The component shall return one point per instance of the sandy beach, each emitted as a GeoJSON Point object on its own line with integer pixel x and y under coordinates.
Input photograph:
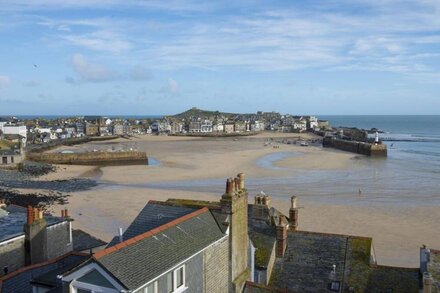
{"type": "Point", "coordinates": [398, 230]}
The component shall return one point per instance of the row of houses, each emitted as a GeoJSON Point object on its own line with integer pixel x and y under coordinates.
{"type": "Point", "coordinates": [229, 245]}
{"type": "Point", "coordinates": [285, 123]}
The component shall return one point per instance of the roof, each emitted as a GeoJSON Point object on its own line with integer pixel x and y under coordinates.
{"type": "Point", "coordinates": [84, 241]}
{"type": "Point", "coordinates": [11, 225]}
{"type": "Point", "coordinates": [161, 248]}
{"type": "Point", "coordinates": [10, 152]}
{"type": "Point", "coordinates": [153, 215]}
{"type": "Point", "coordinates": [262, 233]}
{"type": "Point", "coordinates": [46, 272]}
{"type": "Point", "coordinates": [308, 262]}
{"type": "Point", "coordinates": [251, 287]}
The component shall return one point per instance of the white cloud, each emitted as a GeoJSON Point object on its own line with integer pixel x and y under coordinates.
{"type": "Point", "coordinates": [4, 81]}
{"type": "Point", "coordinates": [99, 41]}
{"type": "Point", "coordinates": [91, 72]}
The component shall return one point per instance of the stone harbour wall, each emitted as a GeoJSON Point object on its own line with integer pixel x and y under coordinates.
{"type": "Point", "coordinates": [91, 158]}
{"type": "Point", "coordinates": [358, 147]}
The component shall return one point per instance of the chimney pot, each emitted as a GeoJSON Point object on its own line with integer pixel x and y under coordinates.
{"type": "Point", "coordinates": [66, 213]}
{"type": "Point", "coordinates": [241, 180]}
{"type": "Point", "coordinates": [229, 186]}
{"type": "Point", "coordinates": [30, 215]}
{"type": "Point", "coordinates": [293, 202]}
{"type": "Point", "coordinates": [36, 213]}
{"type": "Point", "coordinates": [237, 184]}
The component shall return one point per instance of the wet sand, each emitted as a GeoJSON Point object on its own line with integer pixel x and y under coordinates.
{"type": "Point", "coordinates": [398, 230]}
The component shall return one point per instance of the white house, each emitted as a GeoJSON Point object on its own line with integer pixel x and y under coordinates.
{"type": "Point", "coordinates": [20, 130]}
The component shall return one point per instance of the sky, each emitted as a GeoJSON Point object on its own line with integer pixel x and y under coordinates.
{"type": "Point", "coordinates": [114, 57]}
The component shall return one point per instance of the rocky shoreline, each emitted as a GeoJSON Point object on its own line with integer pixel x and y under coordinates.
{"type": "Point", "coordinates": [53, 191]}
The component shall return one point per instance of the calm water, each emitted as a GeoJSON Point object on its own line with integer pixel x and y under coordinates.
{"type": "Point", "coordinates": [409, 176]}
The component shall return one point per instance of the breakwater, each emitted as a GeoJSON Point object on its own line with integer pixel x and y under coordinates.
{"type": "Point", "coordinates": [90, 158]}
{"type": "Point", "coordinates": [358, 147]}
{"type": "Point", "coordinates": [66, 142]}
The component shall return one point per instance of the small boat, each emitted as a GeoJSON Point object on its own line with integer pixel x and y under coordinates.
{"type": "Point", "coordinates": [303, 143]}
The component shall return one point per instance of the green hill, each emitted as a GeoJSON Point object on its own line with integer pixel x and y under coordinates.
{"type": "Point", "coordinates": [194, 112]}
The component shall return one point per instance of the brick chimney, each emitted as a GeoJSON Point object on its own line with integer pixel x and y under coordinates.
{"type": "Point", "coordinates": [234, 203]}
{"type": "Point", "coordinates": [260, 208]}
{"type": "Point", "coordinates": [281, 232]}
{"type": "Point", "coordinates": [35, 236]}
{"type": "Point", "coordinates": [293, 214]}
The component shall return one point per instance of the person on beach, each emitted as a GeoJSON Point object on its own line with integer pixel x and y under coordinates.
{"type": "Point", "coordinates": [360, 192]}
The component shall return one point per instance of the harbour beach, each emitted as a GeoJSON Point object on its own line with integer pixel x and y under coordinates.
{"type": "Point", "coordinates": [326, 182]}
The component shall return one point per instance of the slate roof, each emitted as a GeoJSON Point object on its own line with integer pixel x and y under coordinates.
{"type": "Point", "coordinates": [11, 224]}
{"type": "Point", "coordinates": [153, 215]}
{"type": "Point", "coordinates": [309, 258]}
{"type": "Point", "coordinates": [84, 241]}
{"type": "Point", "coordinates": [308, 262]}
{"type": "Point", "coordinates": [138, 260]}
{"type": "Point", "coordinates": [251, 287]}
{"type": "Point", "coordinates": [263, 236]}
{"type": "Point", "coordinates": [20, 280]}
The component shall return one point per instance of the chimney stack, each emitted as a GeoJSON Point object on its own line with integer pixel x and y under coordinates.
{"type": "Point", "coordinates": [281, 237]}
{"type": "Point", "coordinates": [293, 214]}
{"type": "Point", "coordinates": [35, 236]}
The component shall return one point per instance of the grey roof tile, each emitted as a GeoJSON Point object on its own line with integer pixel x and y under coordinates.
{"type": "Point", "coordinates": [153, 215]}
{"type": "Point", "coordinates": [141, 261]}
{"type": "Point", "coordinates": [11, 224]}
{"type": "Point", "coordinates": [20, 281]}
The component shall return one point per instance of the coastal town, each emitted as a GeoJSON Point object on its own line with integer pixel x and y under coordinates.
{"type": "Point", "coordinates": [18, 135]}
{"type": "Point", "coordinates": [241, 243]}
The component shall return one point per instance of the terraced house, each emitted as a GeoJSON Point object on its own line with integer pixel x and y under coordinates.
{"type": "Point", "coordinates": [225, 246]}
{"type": "Point", "coordinates": [174, 246]}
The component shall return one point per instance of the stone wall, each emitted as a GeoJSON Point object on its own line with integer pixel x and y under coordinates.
{"type": "Point", "coordinates": [363, 148]}
{"type": "Point", "coordinates": [216, 262]}
{"type": "Point", "coordinates": [12, 255]}
{"type": "Point", "coordinates": [58, 240]}
{"type": "Point", "coordinates": [91, 158]}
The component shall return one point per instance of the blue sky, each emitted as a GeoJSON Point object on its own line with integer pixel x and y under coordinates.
{"type": "Point", "coordinates": [162, 57]}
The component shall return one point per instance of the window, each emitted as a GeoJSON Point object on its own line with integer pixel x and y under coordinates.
{"type": "Point", "coordinates": [170, 285]}
{"type": "Point", "coordinates": [152, 288]}
{"type": "Point", "coordinates": [175, 281]}
{"type": "Point", "coordinates": [83, 291]}
{"type": "Point", "coordinates": [334, 286]}
{"type": "Point", "coordinates": [179, 277]}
